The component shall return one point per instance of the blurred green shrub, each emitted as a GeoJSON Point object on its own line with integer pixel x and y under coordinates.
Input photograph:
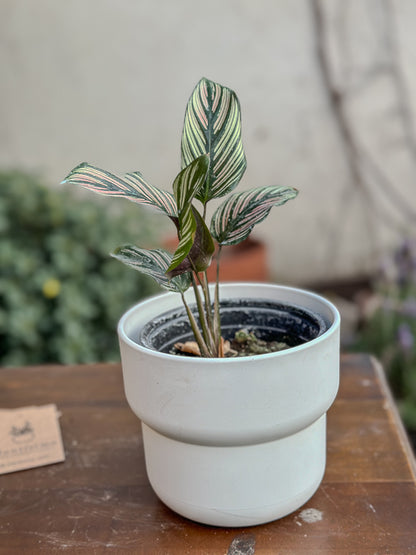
{"type": "Point", "coordinates": [390, 330]}
{"type": "Point", "coordinates": [61, 295]}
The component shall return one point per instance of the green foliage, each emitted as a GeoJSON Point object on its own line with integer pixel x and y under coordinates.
{"type": "Point", "coordinates": [212, 126]}
{"type": "Point", "coordinates": [390, 331]}
{"type": "Point", "coordinates": [132, 186]}
{"type": "Point", "coordinates": [213, 162]}
{"type": "Point", "coordinates": [185, 187]}
{"type": "Point", "coordinates": [61, 295]}
{"type": "Point", "coordinates": [233, 221]}
{"type": "Point", "coordinates": [154, 263]}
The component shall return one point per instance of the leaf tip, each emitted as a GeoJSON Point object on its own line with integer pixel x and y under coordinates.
{"type": "Point", "coordinates": [68, 177]}
{"type": "Point", "coordinates": [115, 252]}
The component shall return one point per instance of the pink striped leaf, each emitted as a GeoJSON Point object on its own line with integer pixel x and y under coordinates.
{"type": "Point", "coordinates": [185, 187]}
{"type": "Point", "coordinates": [153, 263]}
{"type": "Point", "coordinates": [132, 186]}
{"type": "Point", "coordinates": [233, 221]}
{"type": "Point", "coordinates": [213, 125]}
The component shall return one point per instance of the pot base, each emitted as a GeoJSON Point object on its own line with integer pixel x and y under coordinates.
{"type": "Point", "coordinates": [237, 486]}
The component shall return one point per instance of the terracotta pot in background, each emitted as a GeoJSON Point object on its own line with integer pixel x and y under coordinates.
{"type": "Point", "coordinates": [246, 261]}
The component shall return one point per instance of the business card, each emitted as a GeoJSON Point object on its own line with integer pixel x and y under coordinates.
{"type": "Point", "coordinates": [30, 437]}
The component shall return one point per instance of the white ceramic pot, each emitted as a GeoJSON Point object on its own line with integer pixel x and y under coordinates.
{"type": "Point", "coordinates": [236, 441]}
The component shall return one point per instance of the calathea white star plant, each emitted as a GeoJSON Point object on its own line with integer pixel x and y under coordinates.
{"type": "Point", "coordinates": [213, 163]}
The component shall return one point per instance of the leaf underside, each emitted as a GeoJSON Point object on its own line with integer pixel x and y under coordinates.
{"type": "Point", "coordinates": [202, 250]}
{"type": "Point", "coordinates": [213, 125]}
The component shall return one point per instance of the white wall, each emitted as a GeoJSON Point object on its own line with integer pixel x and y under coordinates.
{"type": "Point", "coordinates": [107, 81]}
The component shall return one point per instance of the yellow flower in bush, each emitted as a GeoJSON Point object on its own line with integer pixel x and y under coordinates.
{"type": "Point", "coordinates": [51, 288]}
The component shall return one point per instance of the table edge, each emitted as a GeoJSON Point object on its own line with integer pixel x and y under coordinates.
{"type": "Point", "coordinates": [394, 412]}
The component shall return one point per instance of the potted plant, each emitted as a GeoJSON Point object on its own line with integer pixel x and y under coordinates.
{"type": "Point", "coordinates": [229, 440]}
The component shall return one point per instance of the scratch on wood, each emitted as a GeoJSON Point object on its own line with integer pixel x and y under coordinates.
{"type": "Point", "coordinates": [243, 544]}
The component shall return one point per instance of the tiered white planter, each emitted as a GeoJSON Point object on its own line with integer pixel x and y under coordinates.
{"type": "Point", "coordinates": [236, 441]}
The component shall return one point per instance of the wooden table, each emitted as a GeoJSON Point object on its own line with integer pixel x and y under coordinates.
{"type": "Point", "coordinates": [99, 498]}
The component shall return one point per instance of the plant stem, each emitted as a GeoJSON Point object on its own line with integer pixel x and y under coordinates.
{"type": "Point", "coordinates": [209, 341]}
{"type": "Point", "coordinates": [208, 309]}
{"type": "Point", "coordinates": [199, 339]}
{"type": "Point", "coordinates": [217, 319]}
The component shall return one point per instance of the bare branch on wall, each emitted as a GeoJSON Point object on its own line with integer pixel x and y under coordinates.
{"type": "Point", "coordinates": [349, 81]}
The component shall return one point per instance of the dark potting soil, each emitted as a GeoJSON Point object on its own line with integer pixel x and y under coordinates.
{"type": "Point", "coordinates": [268, 326]}
{"type": "Point", "coordinates": [245, 343]}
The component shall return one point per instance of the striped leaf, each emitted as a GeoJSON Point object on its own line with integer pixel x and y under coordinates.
{"type": "Point", "coordinates": [233, 221]}
{"type": "Point", "coordinates": [200, 255]}
{"type": "Point", "coordinates": [186, 185]}
{"type": "Point", "coordinates": [153, 263]}
{"type": "Point", "coordinates": [213, 125]}
{"type": "Point", "coordinates": [132, 186]}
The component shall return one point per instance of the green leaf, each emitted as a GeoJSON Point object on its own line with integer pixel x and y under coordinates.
{"type": "Point", "coordinates": [200, 255]}
{"type": "Point", "coordinates": [203, 247]}
{"type": "Point", "coordinates": [132, 186]}
{"type": "Point", "coordinates": [186, 185]}
{"type": "Point", "coordinates": [233, 221]}
{"type": "Point", "coordinates": [189, 181]}
{"type": "Point", "coordinates": [213, 125]}
{"type": "Point", "coordinates": [153, 263]}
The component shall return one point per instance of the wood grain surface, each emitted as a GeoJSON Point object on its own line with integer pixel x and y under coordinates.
{"type": "Point", "coordinates": [99, 499]}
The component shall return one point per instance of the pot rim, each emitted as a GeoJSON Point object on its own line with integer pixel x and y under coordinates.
{"type": "Point", "coordinates": [192, 361]}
